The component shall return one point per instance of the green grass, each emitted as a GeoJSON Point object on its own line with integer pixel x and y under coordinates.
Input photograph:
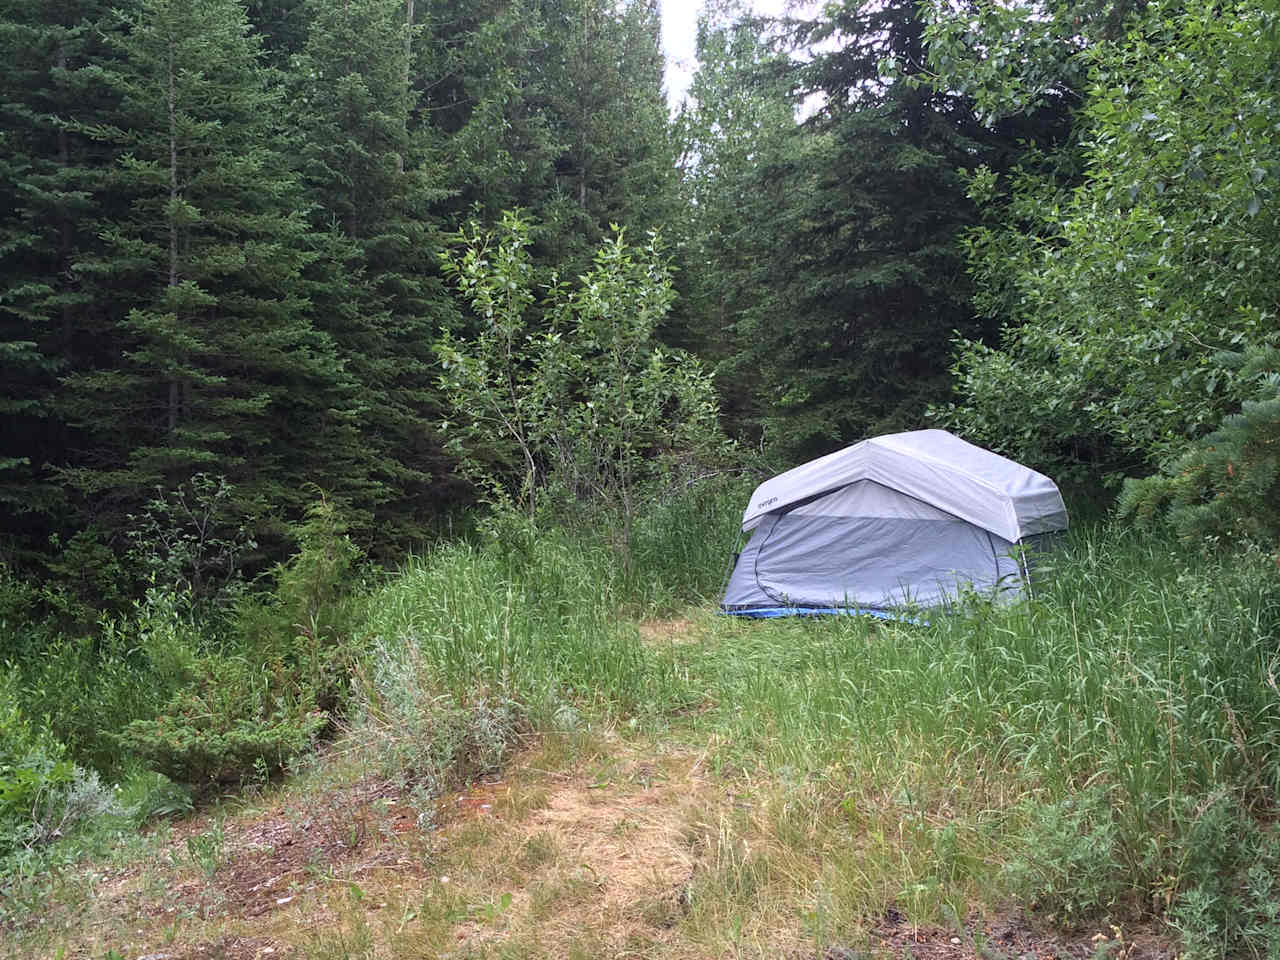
{"type": "Point", "coordinates": [1109, 750]}
{"type": "Point", "coordinates": [1096, 741]}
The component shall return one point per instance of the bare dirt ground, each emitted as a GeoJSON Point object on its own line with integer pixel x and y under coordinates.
{"type": "Point", "coordinates": [592, 849]}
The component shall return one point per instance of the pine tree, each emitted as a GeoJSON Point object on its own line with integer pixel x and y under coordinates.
{"type": "Point", "coordinates": [362, 157]}
{"type": "Point", "coordinates": [481, 69]}
{"type": "Point", "coordinates": [50, 215]}
{"type": "Point", "coordinates": [554, 107]}
{"type": "Point", "coordinates": [219, 367]}
{"type": "Point", "coordinates": [739, 116]}
{"type": "Point", "coordinates": [1225, 485]}
{"type": "Point", "coordinates": [862, 278]}
{"type": "Point", "coordinates": [605, 104]}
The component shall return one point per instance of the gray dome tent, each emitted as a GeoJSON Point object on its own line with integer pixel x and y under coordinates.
{"type": "Point", "coordinates": [908, 519]}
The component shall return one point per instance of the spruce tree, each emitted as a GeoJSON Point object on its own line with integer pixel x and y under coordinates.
{"type": "Point", "coordinates": [606, 106]}
{"type": "Point", "coordinates": [218, 366]}
{"type": "Point", "coordinates": [862, 276]}
{"type": "Point", "coordinates": [361, 153]}
{"type": "Point", "coordinates": [50, 320]}
{"type": "Point", "coordinates": [554, 107]}
{"type": "Point", "coordinates": [738, 117]}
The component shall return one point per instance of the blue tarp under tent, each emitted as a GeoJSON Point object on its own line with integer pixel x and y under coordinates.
{"type": "Point", "coordinates": [891, 525]}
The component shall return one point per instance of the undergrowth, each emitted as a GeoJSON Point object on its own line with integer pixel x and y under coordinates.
{"type": "Point", "coordinates": [1108, 751]}
{"type": "Point", "coordinates": [1124, 729]}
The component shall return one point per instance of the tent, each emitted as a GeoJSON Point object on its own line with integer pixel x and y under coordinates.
{"type": "Point", "coordinates": [904, 520]}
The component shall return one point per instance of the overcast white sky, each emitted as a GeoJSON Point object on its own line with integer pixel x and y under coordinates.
{"type": "Point", "coordinates": [679, 37]}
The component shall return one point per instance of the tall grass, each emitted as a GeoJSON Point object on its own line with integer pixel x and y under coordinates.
{"type": "Point", "coordinates": [550, 618]}
{"type": "Point", "coordinates": [1110, 746]}
{"type": "Point", "coordinates": [1131, 668]}
{"type": "Point", "coordinates": [1132, 706]}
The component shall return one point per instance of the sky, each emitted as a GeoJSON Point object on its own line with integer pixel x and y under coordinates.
{"type": "Point", "coordinates": [679, 37]}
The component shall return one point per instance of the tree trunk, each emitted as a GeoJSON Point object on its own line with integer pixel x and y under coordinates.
{"type": "Point", "coordinates": [408, 70]}
{"type": "Point", "coordinates": [65, 227]}
{"type": "Point", "coordinates": [174, 392]}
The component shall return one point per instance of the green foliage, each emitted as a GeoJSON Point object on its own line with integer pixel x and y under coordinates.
{"type": "Point", "coordinates": [304, 631]}
{"type": "Point", "coordinates": [555, 108]}
{"type": "Point", "coordinates": [87, 687]}
{"type": "Point", "coordinates": [216, 362]}
{"type": "Point", "coordinates": [50, 217]}
{"type": "Point", "coordinates": [33, 767]}
{"type": "Point", "coordinates": [431, 740]}
{"type": "Point", "coordinates": [206, 849]}
{"type": "Point", "coordinates": [219, 226]}
{"type": "Point", "coordinates": [1069, 868]}
{"type": "Point", "coordinates": [156, 797]}
{"type": "Point", "coordinates": [225, 723]}
{"type": "Point", "coordinates": [44, 796]}
{"type": "Point", "coordinates": [235, 713]}
{"type": "Point", "coordinates": [1219, 891]}
{"type": "Point", "coordinates": [20, 627]}
{"type": "Point", "coordinates": [1226, 485]}
{"type": "Point", "coordinates": [840, 271]}
{"type": "Point", "coordinates": [362, 153]}
{"type": "Point", "coordinates": [593, 406]}
{"type": "Point", "coordinates": [1129, 297]}
{"type": "Point", "coordinates": [187, 542]}
{"type": "Point", "coordinates": [492, 380]}
{"type": "Point", "coordinates": [1028, 57]}
{"type": "Point", "coordinates": [738, 116]}
{"type": "Point", "coordinates": [209, 696]}
{"type": "Point", "coordinates": [1229, 863]}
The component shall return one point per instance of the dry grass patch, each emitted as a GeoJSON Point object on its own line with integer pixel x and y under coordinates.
{"type": "Point", "coordinates": [599, 862]}
{"type": "Point", "coordinates": [590, 845]}
{"type": "Point", "coordinates": [236, 883]}
{"type": "Point", "coordinates": [672, 631]}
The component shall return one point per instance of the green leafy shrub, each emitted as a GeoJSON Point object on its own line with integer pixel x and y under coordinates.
{"type": "Point", "coordinates": [43, 795]}
{"type": "Point", "coordinates": [304, 630]}
{"type": "Point", "coordinates": [588, 412]}
{"type": "Point", "coordinates": [1228, 901]}
{"type": "Point", "coordinates": [33, 767]}
{"type": "Point", "coordinates": [86, 577]}
{"type": "Point", "coordinates": [223, 727]}
{"type": "Point", "coordinates": [152, 796]}
{"type": "Point", "coordinates": [246, 707]}
{"type": "Point", "coordinates": [429, 738]}
{"type": "Point", "coordinates": [1068, 866]}
{"type": "Point", "coordinates": [1226, 485]}
{"type": "Point", "coordinates": [90, 687]}
{"type": "Point", "coordinates": [21, 632]}
{"type": "Point", "coordinates": [193, 538]}
{"type": "Point", "coordinates": [1121, 294]}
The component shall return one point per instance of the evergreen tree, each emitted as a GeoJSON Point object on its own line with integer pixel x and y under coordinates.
{"type": "Point", "coordinates": [862, 278]}
{"type": "Point", "coordinates": [1224, 486]}
{"type": "Point", "coordinates": [50, 320]}
{"type": "Point", "coordinates": [282, 26]}
{"type": "Point", "coordinates": [554, 107]}
{"type": "Point", "coordinates": [738, 117]}
{"type": "Point", "coordinates": [219, 368]}
{"type": "Point", "coordinates": [481, 70]}
{"type": "Point", "coordinates": [606, 105]}
{"type": "Point", "coordinates": [362, 158]}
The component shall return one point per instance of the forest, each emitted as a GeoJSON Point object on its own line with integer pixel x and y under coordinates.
{"type": "Point", "coordinates": [381, 367]}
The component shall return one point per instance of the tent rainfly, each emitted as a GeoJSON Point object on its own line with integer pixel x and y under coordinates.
{"type": "Point", "coordinates": [904, 520]}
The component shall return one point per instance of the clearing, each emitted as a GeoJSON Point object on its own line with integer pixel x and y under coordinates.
{"type": "Point", "coordinates": [598, 841]}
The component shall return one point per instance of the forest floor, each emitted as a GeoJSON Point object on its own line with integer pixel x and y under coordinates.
{"type": "Point", "coordinates": [601, 842]}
